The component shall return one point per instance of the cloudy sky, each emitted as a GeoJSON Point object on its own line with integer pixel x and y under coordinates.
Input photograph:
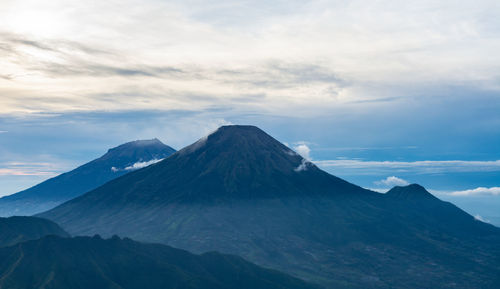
{"type": "Point", "coordinates": [381, 93]}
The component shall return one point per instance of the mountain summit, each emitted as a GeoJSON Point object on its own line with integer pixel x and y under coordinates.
{"type": "Point", "coordinates": [240, 191]}
{"type": "Point", "coordinates": [410, 192]}
{"type": "Point", "coordinates": [116, 162]}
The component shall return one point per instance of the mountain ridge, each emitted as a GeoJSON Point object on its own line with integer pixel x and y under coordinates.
{"type": "Point", "coordinates": [19, 229]}
{"type": "Point", "coordinates": [92, 262]}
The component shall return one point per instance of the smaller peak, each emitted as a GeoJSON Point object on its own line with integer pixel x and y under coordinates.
{"type": "Point", "coordinates": [410, 192]}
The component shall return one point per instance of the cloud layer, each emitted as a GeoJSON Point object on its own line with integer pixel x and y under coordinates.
{"type": "Point", "coordinates": [278, 57]}
{"type": "Point", "coordinates": [419, 167]}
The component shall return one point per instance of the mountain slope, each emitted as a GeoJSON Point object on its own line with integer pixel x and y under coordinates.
{"type": "Point", "coordinates": [240, 191]}
{"type": "Point", "coordinates": [116, 162]}
{"type": "Point", "coordinates": [85, 262]}
{"type": "Point", "coordinates": [19, 229]}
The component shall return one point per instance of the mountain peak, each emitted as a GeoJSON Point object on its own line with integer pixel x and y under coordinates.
{"type": "Point", "coordinates": [238, 128]}
{"type": "Point", "coordinates": [135, 149]}
{"type": "Point", "coordinates": [137, 144]}
{"type": "Point", "coordinates": [233, 136]}
{"type": "Point", "coordinates": [410, 192]}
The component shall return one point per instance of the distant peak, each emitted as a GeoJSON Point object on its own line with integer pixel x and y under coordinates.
{"type": "Point", "coordinates": [144, 142]}
{"type": "Point", "coordinates": [410, 192]}
{"type": "Point", "coordinates": [138, 144]}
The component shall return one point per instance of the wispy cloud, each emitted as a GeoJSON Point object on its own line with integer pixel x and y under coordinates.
{"type": "Point", "coordinates": [27, 169]}
{"type": "Point", "coordinates": [304, 165]}
{"type": "Point", "coordinates": [479, 218]}
{"type": "Point", "coordinates": [136, 166]}
{"type": "Point", "coordinates": [421, 167]}
{"type": "Point", "coordinates": [140, 165]}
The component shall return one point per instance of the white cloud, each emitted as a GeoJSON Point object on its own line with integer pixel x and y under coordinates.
{"type": "Point", "coordinates": [3, 131]}
{"type": "Point", "coordinates": [421, 167]}
{"type": "Point", "coordinates": [479, 218]}
{"type": "Point", "coordinates": [303, 165]}
{"type": "Point", "coordinates": [493, 191]}
{"type": "Point", "coordinates": [140, 165]}
{"type": "Point", "coordinates": [302, 149]}
{"type": "Point", "coordinates": [392, 181]}
{"type": "Point", "coordinates": [227, 54]}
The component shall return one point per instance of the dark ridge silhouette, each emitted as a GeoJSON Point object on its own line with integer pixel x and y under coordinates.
{"type": "Point", "coordinates": [411, 192]}
{"type": "Point", "coordinates": [116, 162]}
{"type": "Point", "coordinates": [85, 262]}
{"type": "Point", "coordinates": [240, 191]}
{"type": "Point", "coordinates": [19, 229]}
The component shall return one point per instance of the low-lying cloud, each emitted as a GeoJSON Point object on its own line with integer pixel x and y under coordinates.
{"type": "Point", "coordinates": [479, 218]}
{"type": "Point", "coordinates": [136, 166]}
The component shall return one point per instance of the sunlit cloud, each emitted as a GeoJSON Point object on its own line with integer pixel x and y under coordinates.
{"type": "Point", "coordinates": [291, 58]}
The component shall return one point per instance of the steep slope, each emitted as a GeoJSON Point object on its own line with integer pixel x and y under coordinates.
{"type": "Point", "coordinates": [19, 229]}
{"type": "Point", "coordinates": [85, 262]}
{"type": "Point", "coordinates": [116, 162]}
{"type": "Point", "coordinates": [240, 191]}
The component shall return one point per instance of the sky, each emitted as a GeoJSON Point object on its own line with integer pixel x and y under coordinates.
{"type": "Point", "coordinates": [381, 93]}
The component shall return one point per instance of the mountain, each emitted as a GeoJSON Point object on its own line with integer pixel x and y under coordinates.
{"type": "Point", "coordinates": [91, 262]}
{"type": "Point", "coordinates": [19, 229]}
{"type": "Point", "coordinates": [116, 162]}
{"type": "Point", "coordinates": [240, 191]}
{"type": "Point", "coordinates": [413, 192]}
